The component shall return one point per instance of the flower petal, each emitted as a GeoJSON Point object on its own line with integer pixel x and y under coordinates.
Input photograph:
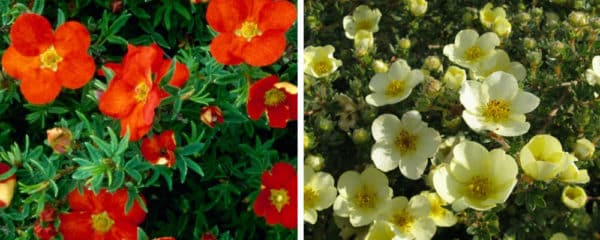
{"type": "Point", "coordinates": [278, 116]}
{"type": "Point", "coordinates": [277, 15]}
{"type": "Point", "coordinates": [117, 101]}
{"type": "Point", "coordinates": [72, 37]}
{"type": "Point", "coordinates": [16, 64]}
{"type": "Point", "coordinates": [384, 156]}
{"type": "Point", "coordinates": [40, 86]}
{"type": "Point", "coordinates": [31, 34]}
{"type": "Point", "coordinates": [264, 49]}
{"type": "Point", "coordinates": [524, 102]}
{"type": "Point", "coordinates": [223, 46]}
{"type": "Point", "coordinates": [385, 127]}
{"type": "Point", "coordinates": [501, 86]}
{"type": "Point", "coordinates": [76, 70]}
{"type": "Point", "coordinates": [75, 225]}
{"type": "Point", "coordinates": [225, 15]}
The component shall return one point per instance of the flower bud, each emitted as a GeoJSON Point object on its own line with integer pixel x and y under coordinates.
{"type": "Point", "coordinates": [7, 186]}
{"type": "Point", "coordinates": [404, 43]}
{"type": "Point", "coordinates": [523, 18]}
{"type": "Point", "coordinates": [164, 238]}
{"type": "Point", "coordinates": [432, 87]}
{"type": "Point", "coordinates": [433, 63]}
{"type": "Point", "coordinates": [363, 42]}
{"type": "Point", "coordinates": [380, 66]}
{"type": "Point", "coordinates": [315, 161]}
{"type": "Point", "coordinates": [584, 149]}
{"type": "Point", "coordinates": [574, 197]}
{"type": "Point", "coordinates": [502, 27]}
{"type": "Point", "coordinates": [534, 58]}
{"type": "Point", "coordinates": [208, 236]}
{"type": "Point", "coordinates": [558, 236]}
{"type": "Point", "coordinates": [418, 7]}
{"type": "Point", "coordinates": [60, 139]}
{"type": "Point", "coordinates": [325, 124]}
{"type": "Point", "coordinates": [44, 230]}
{"type": "Point", "coordinates": [211, 115]}
{"type": "Point", "coordinates": [454, 77]}
{"type": "Point", "coordinates": [578, 19]}
{"type": "Point", "coordinates": [529, 43]}
{"type": "Point", "coordinates": [309, 141]}
{"type": "Point", "coordinates": [360, 136]}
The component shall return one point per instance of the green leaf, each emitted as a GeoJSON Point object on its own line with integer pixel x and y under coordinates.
{"type": "Point", "coordinates": [38, 6]}
{"type": "Point", "coordinates": [191, 149]}
{"type": "Point", "coordinates": [60, 17]}
{"type": "Point", "coordinates": [194, 166]}
{"type": "Point", "coordinates": [182, 11]}
{"type": "Point", "coordinates": [114, 39]}
{"type": "Point", "coordinates": [118, 24]}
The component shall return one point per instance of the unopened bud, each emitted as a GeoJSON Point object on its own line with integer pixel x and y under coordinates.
{"type": "Point", "coordinates": [7, 186]}
{"type": "Point", "coordinates": [211, 115]}
{"type": "Point", "coordinates": [380, 66]}
{"type": "Point", "coordinates": [315, 161]}
{"type": "Point", "coordinates": [578, 19]}
{"type": "Point", "coordinates": [60, 139]}
{"type": "Point", "coordinates": [584, 149]}
{"type": "Point", "coordinates": [360, 136]}
{"type": "Point", "coordinates": [404, 43]}
{"type": "Point", "coordinates": [574, 197]}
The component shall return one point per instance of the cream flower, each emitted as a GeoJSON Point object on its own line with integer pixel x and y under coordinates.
{"type": "Point", "coordinates": [362, 196]}
{"type": "Point", "coordinates": [409, 219]}
{"type": "Point", "coordinates": [469, 48]}
{"type": "Point", "coordinates": [319, 61]}
{"type": "Point", "coordinates": [475, 177]}
{"type": "Point", "coordinates": [497, 105]}
{"type": "Point", "coordinates": [584, 149]}
{"type": "Point", "coordinates": [592, 76]}
{"type": "Point", "coordinates": [363, 41]}
{"type": "Point", "coordinates": [444, 153]}
{"type": "Point", "coordinates": [558, 236]}
{"type": "Point", "coordinates": [488, 16]}
{"type": "Point", "coordinates": [574, 197]}
{"type": "Point", "coordinates": [363, 18]}
{"type": "Point", "coordinates": [542, 158]}
{"type": "Point", "coordinates": [441, 216]}
{"type": "Point", "coordinates": [393, 86]}
{"type": "Point", "coordinates": [499, 61]}
{"type": "Point", "coordinates": [380, 230]}
{"type": "Point", "coordinates": [571, 174]}
{"type": "Point", "coordinates": [502, 27]}
{"type": "Point", "coordinates": [418, 7]}
{"type": "Point", "coordinates": [454, 77]}
{"type": "Point", "coordinates": [319, 193]}
{"type": "Point", "coordinates": [406, 143]}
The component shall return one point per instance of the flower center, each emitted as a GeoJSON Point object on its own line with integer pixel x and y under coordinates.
{"type": "Point", "coordinates": [50, 59]}
{"type": "Point", "coordinates": [310, 197]}
{"type": "Point", "coordinates": [395, 88]}
{"type": "Point", "coordinates": [102, 222]}
{"type": "Point", "coordinates": [274, 97]}
{"type": "Point", "coordinates": [496, 111]}
{"type": "Point", "coordinates": [141, 92]}
{"type": "Point", "coordinates": [365, 198]}
{"type": "Point", "coordinates": [363, 25]}
{"type": "Point", "coordinates": [406, 142]}
{"type": "Point", "coordinates": [478, 188]}
{"type": "Point", "coordinates": [322, 67]}
{"type": "Point", "coordinates": [248, 30]}
{"type": "Point", "coordinates": [403, 220]}
{"type": "Point", "coordinates": [279, 198]}
{"type": "Point", "coordinates": [473, 53]}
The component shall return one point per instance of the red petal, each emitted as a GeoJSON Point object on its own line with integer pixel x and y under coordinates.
{"type": "Point", "coordinates": [117, 101]}
{"type": "Point", "coordinates": [277, 15]}
{"type": "Point", "coordinates": [115, 206]}
{"type": "Point", "coordinates": [289, 214]}
{"type": "Point", "coordinates": [141, 118]}
{"type": "Point", "coordinates": [265, 49]}
{"type": "Point", "coordinates": [76, 70]}
{"type": "Point", "coordinates": [225, 15]}
{"type": "Point", "coordinates": [167, 140]}
{"type": "Point", "coordinates": [280, 176]}
{"type": "Point", "coordinates": [150, 149]}
{"type": "Point", "coordinates": [75, 225]}
{"type": "Point", "coordinates": [85, 201]}
{"type": "Point", "coordinates": [40, 86]}
{"type": "Point", "coordinates": [143, 58]}
{"type": "Point", "coordinates": [292, 103]}
{"type": "Point", "coordinates": [122, 231]}
{"type": "Point", "coordinates": [180, 75]}
{"type": "Point", "coordinates": [278, 116]}
{"type": "Point", "coordinates": [224, 48]}
{"type": "Point", "coordinates": [72, 37]}
{"type": "Point", "coordinates": [31, 34]}
{"type": "Point", "coordinates": [256, 96]}
{"type": "Point", "coordinates": [262, 203]}
{"type": "Point", "coordinates": [15, 64]}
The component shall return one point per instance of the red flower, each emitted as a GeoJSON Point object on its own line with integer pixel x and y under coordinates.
{"type": "Point", "coordinates": [164, 238]}
{"type": "Point", "coordinates": [134, 93]}
{"type": "Point", "coordinates": [7, 186]}
{"type": "Point", "coordinates": [251, 31]}
{"type": "Point", "coordinates": [159, 150]}
{"type": "Point", "coordinates": [45, 61]}
{"type": "Point", "coordinates": [277, 198]}
{"type": "Point", "coordinates": [208, 236]}
{"type": "Point", "coordinates": [44, 230]}
{"type": "Point", "coordinates": [211, 115]}
{"type": "Point", "coordinates": [100, 217]}
{"type": "Point", "coordinates": [278, 99]}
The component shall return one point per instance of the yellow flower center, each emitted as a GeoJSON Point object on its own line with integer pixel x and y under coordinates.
{"type": "Point", "coordinates": [496, 111]}
{"type": "Point", "coordinates": [406, 142]}
{"type": "Point", "coordinates": [365, 198]}
{"type": "Point", "coordinates": [395, 88]}
{"type": "Point", "coordinates": [364, 25]}
{"type": "Point", "coordinates": [279, 198]}
{"type": "Point", "coordinates": [102, 222]}
{"type": "Point", "coordinates": [248, 30]}
{"type": "Point", "coordinates": [310, 197]}
{"type": "Point", "coordinates": [141, 92]}
{"type": "Point", "coordinates": [274, 97]}
{"type": "Point", "coordinates": [402, 220]}
{"type": "Point", "coordinates": [479, 187]}
{"type": "Point", "coordinates": [50, 59]}
{"type": "Point", "coordinates": [473, 53]}
{"type": "Point", "coordinates": [322, 67]}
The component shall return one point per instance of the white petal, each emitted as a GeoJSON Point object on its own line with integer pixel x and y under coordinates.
{"type": "Point", "coordinates": [379, 82]}
{"type": "Point", "coordinates": [446, 186]}
{"type": "Point", "coordinates": [518, 70]}
{"type": "Point", "coordinates": [374, 179]}
{"type": "Point", "coordinates": [348, 183]}
{"type": "Point", "coordinates": [384, 156]}
{"type": "Point", "coordinates": [467, 37]}
{"type": "Point", "coordinates": [469, 155]}
{"type": "Point", "coordinates": [415, 77]}
{"type": "Point", "coordinates": [424, 229]}
{"type": "Point", "coordinates": [377, 99]}
{"type": "Point", "coordinates": [524, 102]}
{"type": "Point", "coordinates": [326, 198]}
{"type": "Point", "coordinates": [471, 95]}
{"type": "Point", "coordinates": [399, 70]}
{"type": "Point", "coordinates": [349, 27]}
{"type": "Point", "coordinates": [429, 141]}
{"type": "Point", "coordinates": [385, 127]}
{"type": "Point", "coordinates": [341, 207]}
{"type": "Point", "coordinates": [310, 216]}
{"type": "Point", "coordinates": [473, 121]}
{"type": "Point", "coordinates": [359, 220]}
{"type": "Point", "coordinates": [413, 167]}
{"type": "Point", "coordinates": [504, 168]}
{"type": "Point", "coordinates": [501, 86]}
{"type": "Point", "coordinates": [419, 206]}
{"type": "Point", "coordinates": [488, 41]}
{"type": "Point", "coordinates": [512, 128]}
{"type": "Point", "coordinates": [596, 64]}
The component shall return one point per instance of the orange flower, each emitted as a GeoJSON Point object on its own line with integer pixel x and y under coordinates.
{"type": "Point", "coordinates": [7, 186]}
{"type": "Point", "coordinates": [43, 228]}
{"type": "Point", "coordinates": [211, 115]}
{"type": "Point", "coordinates": [134, 92]}
{"type": "Point", "coordinates": [251, 31]}
{"type": "Point", "coordinates": [159, 150]}
{"type": "Point", "coordinates": [278, 99]}
{"type": "Point", "coordinates": [276, 201]}
{"type": "Point", "coordinates": [46, 61]}
{"type": "Point", "coordinates": [100, 217]}
{"type": "Point", "coordinates": [59, 139]}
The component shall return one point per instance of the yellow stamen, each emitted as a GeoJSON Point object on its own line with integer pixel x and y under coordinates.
{"type": "Point", "coordinates": [141, 92]}
{"type": "Point", "coordinates": [365, 198]}
{"type": "Point", "coordinates": [274, 97]}
{"type": "Point", "coordinates": [279, 198]}
{"type": "Point", "coordinates": [102, 222]}
{"type": "Point", "coordinates": [322, 67]}
{"type": "Point", "coordinates": [473, 53]}
{"type": "Point", "coordinates": [50, 59]}
{"type": "Point", "coordinates": [310, 197]}
{"type": "Point", "coordinates": [364, 25]}
{"type": "Point", "coordinates": [496, 111]}
{"type": "Point", "coordinates": [395, 88]}
{"type": "Point", "coordinates": [248, 30]}
{"type": "Point", "coordinates": [406, 142]}
{"type": "Point", "coordinates": [403, 220]}
{"type": "Point", "coordinates": [478, 188]}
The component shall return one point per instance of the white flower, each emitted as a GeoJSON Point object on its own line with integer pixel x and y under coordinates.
{"type": "Point", "coordinates": [363, 41]}
{"type": "Point", "coordinates": [454, 77]}
{"type": "Point", "coordinates": [363, 18]}
{"type": "Point", "coordinates": [487, 16]}
{"type": "Point", "coordinates": [497, 105]}
{"type": "Point", "coordinates": [542, 158]}
{"type": "Point", "coordinates": [475, 177]}
{"type": "Point", "coordinates": [499, 61]}
{"type": "Point", "coordinates": [574, 197]}
{"type": "Point", "coordinates": [418, 7]}
{"type": "Point", "coordinates": [380, 230]}
{"type": "Point", "coordinates": [469, 48]}
{"type": "Point", "coordinates": [409, 219]}
{"type": "Point", "coordinates": [393, 86]}
{"type": "Point", "coordinates": [572, 174]}
{"type": "Point", "coordinates": [502, 27]}
{"type": "Point", "coordinates": [441, 216]}
{"type": "Point", "coordinates": [319, 61]}
{"type": "Point", "coordinates": [406, 143]}
{"type": "Point", "coordinates": [319, 193]}
{"type": "Point", "coordinates": [592, 76]}
{"type": "Point", "coordinates": [362, 196]}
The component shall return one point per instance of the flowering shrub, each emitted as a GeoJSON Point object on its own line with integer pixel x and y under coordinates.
{"type": "Point", "coordinates": [144, 119]}
{"type": "Point", "coordinates": [452, 119]}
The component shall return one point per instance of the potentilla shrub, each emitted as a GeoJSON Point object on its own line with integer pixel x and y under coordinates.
{"type": "Point", "coordinates": [148, 120]}
{"type": "Point", "coordinates": [451, 120]}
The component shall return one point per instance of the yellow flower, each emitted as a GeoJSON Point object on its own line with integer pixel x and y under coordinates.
{"type": "Point", "coordinates": [574, 197]}
{"type": "Point", "coordinates": [319, 61]}
{"type": "Point", "coordinates": [362, 196]}
{"type": "Point", "coordinates": [393, 86]}
{"type": "Point", "coordinates": [502, 27]}
{"type": "Point", "coordinates": [418, 7]}
{"type": "Point", "coordinates": [592, 76]}
{"type": "Point", "coordinates": [488, 16]}
{"type": "Point", "coordinates": [409, 219]}
{"type": "Point", "coordinates": [475, 177]}
{"type": "Point", "coordinates": [497, 105]}
{"type": "Point", "coordinates": [542, 158]}
{"type": "Point", "coordinates": [469, 48]}
{"type": "Point", "coordinates": [499, 61]}
{"type": "Point", "coordinates": [380, 230]}
{"type": "Point", "coordinates": [380, 66]}
{"type": "Point", "coordinates": [440, 215]}
{"type": "Point", "coordinates": [319, 193]}
{"type": "Point", "coordinates": [404, 144]}
{"type": "Point", "coordinates": [571, 174]}
{"type": "Point", "coordinates": [584, 149]}
{"type": "Point", "coordinates": [558, 236]}
{"type": "Point", "coordinates": [363, 41]}
{"type": "Point", "coordinates": [363, 18]}
{"type": "Point", "coordinates": [454, 77]}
